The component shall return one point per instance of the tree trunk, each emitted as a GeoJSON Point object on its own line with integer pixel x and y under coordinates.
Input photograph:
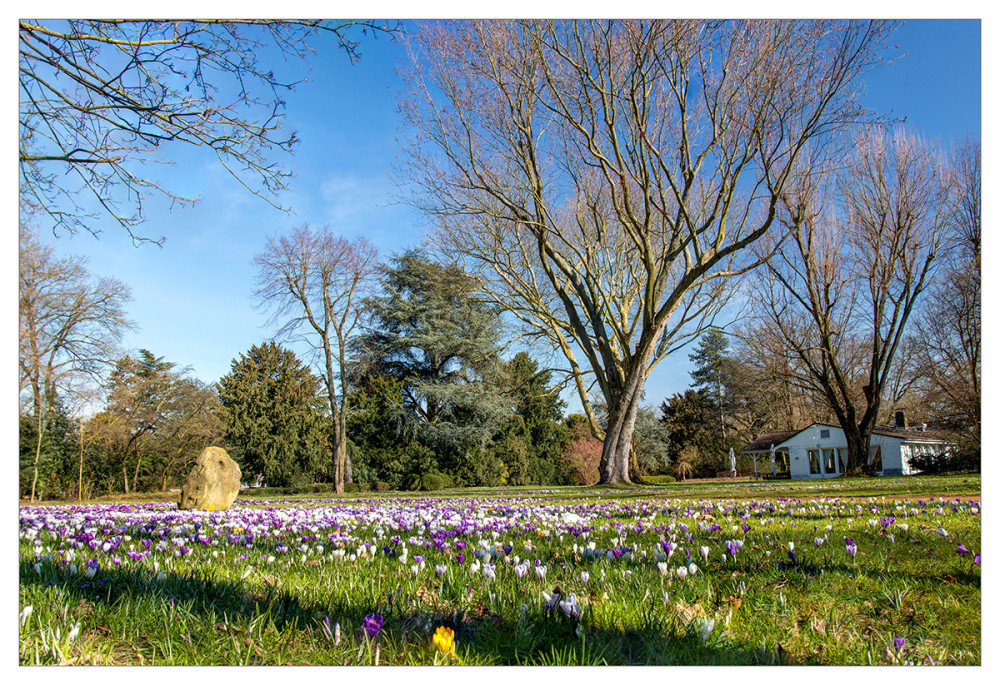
{"type": "Point", "coordinates": [125, 478]}
{"type": "Point", "coordinates": [38, 454]}
{"type": "Point", "coordinates": [79, 481]}
{"type": "Point", "coordinates": [857, 449]}
{"type": "Point", "coordinates": [135, 474]}
{"type": "Point", "coordinates": [618, 437]}
{"type": "Point", "coordinates": [341, 462]}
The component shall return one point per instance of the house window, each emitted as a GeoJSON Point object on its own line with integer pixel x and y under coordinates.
{"type": "Point", "coordinates": [830, 461]}
{"type": "Point", "coordinates": [824, 432]}
{"type": "Point", "coordinates": [842, 458]}
{"type": "Point", "coordinates": [875, 458]}
{"type": "Point", "coordinates": [814, 461]}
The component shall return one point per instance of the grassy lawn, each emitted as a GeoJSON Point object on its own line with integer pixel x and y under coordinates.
{"type": "Point", "coordinates": [686, 573]}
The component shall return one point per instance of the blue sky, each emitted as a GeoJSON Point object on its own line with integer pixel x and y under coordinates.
{"type": "Point", "coordinates": [192, 296]}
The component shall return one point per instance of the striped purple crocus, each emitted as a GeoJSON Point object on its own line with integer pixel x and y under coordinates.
{"type": "Point", "coordinates": [851, 548]}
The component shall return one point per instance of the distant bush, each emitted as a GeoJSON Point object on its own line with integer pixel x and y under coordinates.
{"type": "Point", "coordinates": [436, 481]}
{"type": "Point", "coordinates": [307, 489]}
{"type": "Point", "coordinates": [579, 463]}
{"type": "Point", "coordinates": [659, 480]}
{"type": "Point", "coordinates": [380, 486]}
{"type": "Point", "coordinates": [966, 459]}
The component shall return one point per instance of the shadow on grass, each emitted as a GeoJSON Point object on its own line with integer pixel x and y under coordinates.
{"type": "Point", "coordinates": [483, 636]}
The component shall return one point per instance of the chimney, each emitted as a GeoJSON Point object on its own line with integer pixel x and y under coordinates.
{"type": "Point", "coordinates": [900, 420]}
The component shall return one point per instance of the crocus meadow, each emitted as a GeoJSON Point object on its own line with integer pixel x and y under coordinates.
{"type": "Point", "coordinates": [533, 578]}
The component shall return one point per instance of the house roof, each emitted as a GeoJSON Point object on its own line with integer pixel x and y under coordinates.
{"type": "Point", "coordinates": [912, 435]}
{"type": "Point", "coordinates": [765, 440]}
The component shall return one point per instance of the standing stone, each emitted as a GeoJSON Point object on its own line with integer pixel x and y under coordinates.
{"type": "Point", "coordinates": [213, 483]}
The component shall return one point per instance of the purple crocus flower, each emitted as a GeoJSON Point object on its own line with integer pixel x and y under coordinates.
{"type": "Point", "coordinates": [852, 549]}
{"type": "Point", "coordinates": [962, 549]}
{"type": "Point", "coordinates": [978, 558]}
{"type": "Point", "coordinates": [372, 624]}
{"type": "Point", "coordinates": [460, 558]}
{"type": "Point", "coordinates": [898, 642]}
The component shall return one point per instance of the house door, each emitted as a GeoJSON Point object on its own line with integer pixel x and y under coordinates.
{"type": "Point", "coordinates": [830, 461]}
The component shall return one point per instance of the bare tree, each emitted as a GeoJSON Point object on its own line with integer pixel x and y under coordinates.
{"type": "Point", "coordinates": [950, 329]}
{"type": "Point", "coordinates": [860, 248]}
{"type": "Point", "coordinates": [313, 282]}
{"type": "Point", "coordinates": [70, 324]}
{"type": "Point", "coordinates": [100, 101]}
{"type": "Point", "coordinates": [606, 178]}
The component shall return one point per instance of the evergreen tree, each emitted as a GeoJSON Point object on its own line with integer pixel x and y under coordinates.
{"type": "Point", "coordinates": [57, 454]}
{"type": "Point", "coordinates": [711, 373]}
{"type": "Point", "coordinates": [433, 332]}
{"type": "Point", "coordinates": [651, 442]}
{"type": "Point", "coordinates": [274, 419]}
{"type": "Point", "coordinates": [531, 441]}
{"type": "Point", "coordinates": [375, 422]}
{"type": "Point", "coordinates": [689, 420]}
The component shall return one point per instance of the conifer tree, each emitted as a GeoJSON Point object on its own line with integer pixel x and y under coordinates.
{"type": "Point", "coordinates": [274, 419]}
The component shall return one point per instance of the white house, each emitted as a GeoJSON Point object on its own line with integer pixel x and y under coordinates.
{"type": "Point", "coordinates": [820, 450]}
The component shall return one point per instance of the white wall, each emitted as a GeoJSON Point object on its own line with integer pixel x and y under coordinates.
{"type": "Point", "coordinates": [812, 438]}
{"type": "Point", "coordinates": [895, 454]}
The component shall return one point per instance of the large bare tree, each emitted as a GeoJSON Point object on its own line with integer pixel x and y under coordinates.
{"type": "Point", "coordinates": [862, 243]}
{"type": "Point", "coordinates": [103, 100]}
{"type": "Point", "coordinates": [605, 178]}
{"type": "Point", "coordinates": [70, 324]}
{"type": "Point", "coordinates": [313, 283]}
{"type": "Point", "coordinates": [950, 329]}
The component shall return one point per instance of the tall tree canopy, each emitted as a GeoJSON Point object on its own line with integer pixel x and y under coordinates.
{"type": "Point", "coordinates": [273, 414]}
{"type": "Point", "coordinates": [432, 330]}
{"type": "Point", "coordinates": [605, 178]}
{"type": "Point", "coordinates": [860, 249]}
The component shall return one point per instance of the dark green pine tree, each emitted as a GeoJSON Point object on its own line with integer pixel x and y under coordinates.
{"type": "Point", "coordinates": [274, 418]}
{"type": "Point", "coordinates": [433, 331]}
{"type": "Point", "coordinates": [690, 424]}
{"type": "Point", "coordinates": [531, 441]}
{"type": "Point", "coordinates": [710, 374]}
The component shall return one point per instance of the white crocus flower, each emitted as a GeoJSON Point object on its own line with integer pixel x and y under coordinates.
{"type": "Point", "coordinates": [26, 614]}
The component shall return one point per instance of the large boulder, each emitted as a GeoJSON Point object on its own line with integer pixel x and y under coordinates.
{"type": "Point", "coordinates": [213, 483]}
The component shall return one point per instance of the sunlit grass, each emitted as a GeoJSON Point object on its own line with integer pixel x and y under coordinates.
{"type": "Point", "coordinates": [271, 603]}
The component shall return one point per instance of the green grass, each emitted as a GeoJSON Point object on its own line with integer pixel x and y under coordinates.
{"type": "Point", "coordinates": [826, 608]}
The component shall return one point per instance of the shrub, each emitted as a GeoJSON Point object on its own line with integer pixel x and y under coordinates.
{"type": "Point", "coordinates": [580, 461]}
{"type": "Point", "coordinates": [435, 481]}
{"type": "Point", "coordinates": [966, 459]}
{"type": "Point", "coordinates": [380, 486]}
{"type": "Point", "coordinates": [659, 480]}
